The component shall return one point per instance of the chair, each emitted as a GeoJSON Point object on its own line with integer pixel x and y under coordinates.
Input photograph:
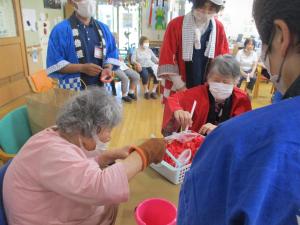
{"type": "Point", "coordinates": [3, 170]}
{"type": "Point", "coordinates": [14, 132]}
{"type": "Point", "coordinates": [258, 79]}
{"type": "Point", "coordinates": [40, 82]}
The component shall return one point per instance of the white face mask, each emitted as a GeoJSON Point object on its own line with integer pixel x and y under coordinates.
{"type": "Point", "coordinates": [146, 45]}
{"type": "Point", "coordinates": [201, 17]}
{"type": "Point", "coordinates": [220, 91]}
{"type": "Point", "coordinates": [85, 8]}
{"type": "Point", "coordinates": [100, 146]}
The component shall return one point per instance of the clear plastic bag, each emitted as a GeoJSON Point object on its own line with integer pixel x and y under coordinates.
{"type": "Point", "coordinates": [184, 136]}
{"type": "Point", "coordinates": [182, 147]}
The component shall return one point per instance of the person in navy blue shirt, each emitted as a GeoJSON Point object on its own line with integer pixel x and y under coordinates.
{"type": "Point", "coordinates": [247, 172]}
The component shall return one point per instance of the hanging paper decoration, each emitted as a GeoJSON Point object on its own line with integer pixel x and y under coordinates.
{"type": "Point", "coordinates": [150, 13]}
{"type": "Point", "coordinates": [160, 23]}
{"type": "Point", "coordinates": [157, 14]}
{"type": "Point", "coordinates": [124, 3]}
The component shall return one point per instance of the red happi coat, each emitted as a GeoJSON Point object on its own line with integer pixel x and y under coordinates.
{"type": "Point", "coordinates": [171, 60]}
{"type": "Point", "coordinates": [184, 101]}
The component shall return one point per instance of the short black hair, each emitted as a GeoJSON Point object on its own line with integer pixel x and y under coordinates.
{"type": "Point", "coordinates": [201, 3]}
{"type": "Point", "coordinates": [248, 40]}
{"type": "Point", "coordinates": [265, 12]}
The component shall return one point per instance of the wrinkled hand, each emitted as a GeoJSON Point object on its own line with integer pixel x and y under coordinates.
{"type": "Point", "coordinates": [138, 67]}
{"type": "Point", "coordinates": [91, 69]}
{"type": "Point", "coordinates": [120, 153]}
{"type": "Point", "coordinates": [106, 75]}
{"type": "Point", "coordinates": [154, 149]}
{"type": "Point", "coordinates": [184, 118]}
{"type": "Point", "coordinates": [207, 128]}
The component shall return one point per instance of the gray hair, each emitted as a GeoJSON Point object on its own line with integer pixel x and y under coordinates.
{"type": "Point", "coordinates": [226, 65]}
{"type": "Point", "coordinates": [89, 112]}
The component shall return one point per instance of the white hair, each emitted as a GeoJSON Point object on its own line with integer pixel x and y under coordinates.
{"type": "Point", "coordinates": [226, 65]}
{"type": "Point", "coordinates": [89, 112]}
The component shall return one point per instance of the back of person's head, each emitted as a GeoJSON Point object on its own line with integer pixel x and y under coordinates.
{"type": "Point", "coordinates": [217, 4]}
{"type": "Point", "coordinates": [89, 112]}
{"type": "Point", "coordinates": [142, 40]}
{"type": "Point", "coordinates": [265, 12]}
{"type": "Point", "coordinates": [225, 65]}
{"type": "Point", "coordinates": [277, 23]}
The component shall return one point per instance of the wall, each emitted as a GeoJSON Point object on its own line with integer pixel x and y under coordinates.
{"type": "Point", "coordinates": [147, 31]}
{"type": "Point", "coordinates": [173, 8]}
{"type": "Point", "coordinates": [37, 38]}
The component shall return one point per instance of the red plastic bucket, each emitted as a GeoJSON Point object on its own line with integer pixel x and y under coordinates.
{"type": "Point", "coordinates": [156, 211]}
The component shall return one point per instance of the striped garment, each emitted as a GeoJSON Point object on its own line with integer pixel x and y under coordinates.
{"type": "Point", "coordinates": [178, 48]}
{"type": "Point", "coordinates": [188, 38]}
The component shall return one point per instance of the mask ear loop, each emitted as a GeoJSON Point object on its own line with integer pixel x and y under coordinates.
{"type": "Point", "coordinates": [95, 136]}
{"type": "Point", "coordinates": [269, 49]}
{"type": "Point", "coordinates": [270, 43]}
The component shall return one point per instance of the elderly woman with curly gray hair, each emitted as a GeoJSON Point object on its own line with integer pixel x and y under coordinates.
{"type": "Point", "coordinates": [63, 175]}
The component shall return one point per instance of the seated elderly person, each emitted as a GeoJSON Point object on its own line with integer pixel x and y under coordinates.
{"type": "Point", "coordinates": [248, 60]}
{"type": "Point", "coordinates": [216, 101]}
{"type": "Point", "coordinates": [146, 63]}
{"type": "Point", "coordinates": [52, 181]}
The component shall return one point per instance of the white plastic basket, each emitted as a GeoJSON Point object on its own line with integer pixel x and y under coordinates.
{"type": "Point", "coordinates": [175, 175]}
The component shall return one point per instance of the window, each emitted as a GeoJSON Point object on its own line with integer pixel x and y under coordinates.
{"type": "Point", "coordinates": [7, 19]}
{"type": "Point", "coordinates": [129, 26]}
{"type": "Point", "coordinates": [124, 21]}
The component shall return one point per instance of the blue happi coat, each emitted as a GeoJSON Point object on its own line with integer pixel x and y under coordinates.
{"type": "Point", "coordinates": [247, 172]}
{"type": "Point", "coordinates": [61, 50]}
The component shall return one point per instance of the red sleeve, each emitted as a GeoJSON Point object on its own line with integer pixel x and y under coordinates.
{"type": "Point", "coordinates": [170, 44]}
{"type": "Point", "coordinates": [222, 46]}
{"type": "Point", "coordinates": [241, 103]}
{"type": "Point", "coordinates": [172, 104]}
{"type": "Point", "coordinates": [184, 101]}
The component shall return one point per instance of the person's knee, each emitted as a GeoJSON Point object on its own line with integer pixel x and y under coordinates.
{"type": "Point", "coordinates": [145, 80]}
{"type": "Point", "coordinates": [136, 75]}
{"type": "Point", "coordinates": [123, 77]}
{"type": "Point", "coordinates": [144, 76]}
{"type": "Point", "coordinates": [133, 76]}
